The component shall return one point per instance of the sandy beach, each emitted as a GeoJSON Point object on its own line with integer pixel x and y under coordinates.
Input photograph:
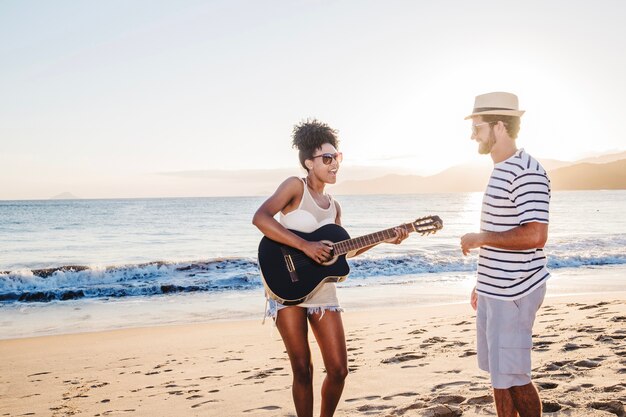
{"type": "Point", "coordinates": [412, 361]}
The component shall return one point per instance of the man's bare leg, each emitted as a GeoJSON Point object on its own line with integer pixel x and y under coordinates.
{"type": "Point", "coordinates": [504, 403]}
{"type": "Point", "coordinates": [526, 400]}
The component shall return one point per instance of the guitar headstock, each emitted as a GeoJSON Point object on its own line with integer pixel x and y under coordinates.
{"type": "Point", "coordinates": [427, 225]}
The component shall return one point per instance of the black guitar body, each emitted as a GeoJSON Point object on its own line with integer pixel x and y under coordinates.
{"type": "Point", "coordinates": [290, 276]}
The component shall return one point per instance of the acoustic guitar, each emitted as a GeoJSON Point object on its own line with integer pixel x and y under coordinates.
{"type": "Point", "coordinates": [291, 277]}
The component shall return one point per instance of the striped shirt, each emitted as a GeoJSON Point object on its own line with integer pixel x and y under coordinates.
{"type": "Point", "coordinates": [518, 192]}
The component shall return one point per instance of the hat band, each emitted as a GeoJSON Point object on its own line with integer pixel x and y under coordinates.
{"type": "Point", "coordinates": [480, 109]}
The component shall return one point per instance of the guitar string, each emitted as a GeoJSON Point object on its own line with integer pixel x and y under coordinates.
{"type": "Point", "coordinates": [302, 259]}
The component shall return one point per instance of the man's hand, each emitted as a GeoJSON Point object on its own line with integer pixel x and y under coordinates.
{"type": "Point", "coordinates": [474, 299]}
{"type": "Point", "coordinates": [470, 241]}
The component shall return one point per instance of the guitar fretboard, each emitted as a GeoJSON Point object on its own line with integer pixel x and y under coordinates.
{"type": "Point", "coordinates": [345, 246]}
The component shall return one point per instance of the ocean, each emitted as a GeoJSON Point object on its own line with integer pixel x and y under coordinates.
{"type": "Point", "coordinates": [62, 255]}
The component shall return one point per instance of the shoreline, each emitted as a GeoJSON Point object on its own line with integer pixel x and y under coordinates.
{"type": "Point", "coordinates": [85, 316]}
{"type": "Point", "coordinates": [401, 359]}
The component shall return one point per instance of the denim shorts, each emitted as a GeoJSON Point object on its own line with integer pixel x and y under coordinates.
{"type": "Point", "coordinates": [504, 337]}
{"type": "Point", "coordinates": [273, 307]}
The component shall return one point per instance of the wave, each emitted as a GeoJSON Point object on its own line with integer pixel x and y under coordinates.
{"type": "Point", "coordinates": [73, 282]}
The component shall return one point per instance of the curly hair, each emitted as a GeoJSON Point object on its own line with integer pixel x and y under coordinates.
{"type": "Point", "coordinates": [308, 136]}
{"type": "Point", "coordinates": [512, 123]}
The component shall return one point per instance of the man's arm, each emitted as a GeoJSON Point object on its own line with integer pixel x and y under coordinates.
{"type": "Point", "coordinates": [527, 236]}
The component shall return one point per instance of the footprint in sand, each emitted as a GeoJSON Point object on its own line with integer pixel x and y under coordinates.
{"type": "Point", "coordinates": [542, 345]}
{"type": "Point", "coordinates": [448, 384]}
{"type": "Point", "coordinates": [266, 408]}
{"type": "Point", "coordinates": [366, 408]}
{"type": "Point", "coordinates": [590, 329]}
{"type": "Point", "coordinates": [399, 347]}
{"type": "Point", "coordinates": [550, 321]}
{"type": "Point", "coordinates": [550, 406]}
{"type": "Point", "coordinates": [455, 343]}
{"type": "Point", "coordinates": [229, 359]}
{"type": "Point", "coordinates": [586, 363]}
{"type": "Point", "coordinates": [110, 412]}
{"type": "Point", "coordinates": [590, 306]}
{"type": "Point", "coordinates": [556, 365]}
{"type": "Point", "coordinates": [573, 346]}
{"type": "Point", "coordinates": [203, 403]}
{"type": "Point", "coordinates": [546, 385]}
{"type": "Point", "coordinates": [482, 400]}
{"type": "Point", "coordinates": [218, 377]}
{"type": "Point", "coordinates": [615, 407]}
{"type": "Point", "coordinates": [614, 388]}
{"type": "Point", "coordinates": [368, 398]}
{"type": "Point", "coordinates": [448, 399]}
{"type": "Point", "coordinates": [433, 340]}
{"type": "Point", "coordinates": [37, 374]}
{"type": "Point", "coordinates": [467, 353]}
{"type": "Point", "coordinates": [264, 374]}
{"type": "Point", "coordinates": [441, 410]}
{"type": "Point", "coordinates": [403, 357]}
{"type": "Point", "coordinates": [401, 394]}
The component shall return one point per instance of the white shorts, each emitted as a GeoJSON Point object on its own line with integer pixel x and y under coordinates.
{"type": "Point", "coordinates": [504, 337]}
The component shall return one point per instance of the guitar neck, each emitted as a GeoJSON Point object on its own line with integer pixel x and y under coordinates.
{"type": "Point", "coordinates": [345, 246]}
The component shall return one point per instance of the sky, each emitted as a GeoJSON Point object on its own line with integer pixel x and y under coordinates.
{"type": "Point", "coordinates": [106, 99]}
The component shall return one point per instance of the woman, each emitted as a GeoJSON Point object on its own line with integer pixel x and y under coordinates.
{"type": "Point", "coordinates": [304, 206]}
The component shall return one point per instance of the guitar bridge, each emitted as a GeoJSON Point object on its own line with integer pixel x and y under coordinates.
{"type": "Point", "coordinates": [289, 262]}
{"type": "Point", "coordinates": [291, 267]}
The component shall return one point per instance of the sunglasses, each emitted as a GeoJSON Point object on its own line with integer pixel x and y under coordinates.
{"type": "Point", "coordinates": [327, 158]}
{"type": "Point", "coordinates": [475, 127]}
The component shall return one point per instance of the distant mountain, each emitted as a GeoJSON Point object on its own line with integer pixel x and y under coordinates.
{"type": "Point", "coordinates": [467, 178]}
{"type": "Point", "coordinates": [604, 159]}
{"type": "Point", "coordinates": [64, 196]}
{"type": "Point", "coordinates": [590, 176]}
{"type": "Point", "coordinates": [550, 164]}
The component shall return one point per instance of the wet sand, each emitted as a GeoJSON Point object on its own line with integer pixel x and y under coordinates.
{"type": "Point", "coordinates": [413, 361]}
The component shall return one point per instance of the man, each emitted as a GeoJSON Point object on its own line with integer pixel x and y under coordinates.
{"type": "Point", "coordinates": [512, 270]}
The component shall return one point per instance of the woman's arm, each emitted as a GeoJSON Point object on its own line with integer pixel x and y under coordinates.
{"type": "Point", "coordinates": [284, 196]}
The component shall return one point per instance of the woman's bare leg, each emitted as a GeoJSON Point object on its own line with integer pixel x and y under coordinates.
{"type": "Point", "coordinates": [293, 328]}
{"type": "Point", "coordinates": [331, 339]}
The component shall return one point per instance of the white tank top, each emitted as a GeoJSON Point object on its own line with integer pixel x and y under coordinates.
{"type": "Point", "coordinates": [307, 218]}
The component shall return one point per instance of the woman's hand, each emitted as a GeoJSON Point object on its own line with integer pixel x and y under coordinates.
{"type": "Point", "coordinates": [318, 251]}
{"type": "Point", "coordinates": [401, 234]}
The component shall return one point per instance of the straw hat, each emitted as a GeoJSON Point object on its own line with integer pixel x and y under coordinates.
{"type": "Point", "coordinates": [504, 104]}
